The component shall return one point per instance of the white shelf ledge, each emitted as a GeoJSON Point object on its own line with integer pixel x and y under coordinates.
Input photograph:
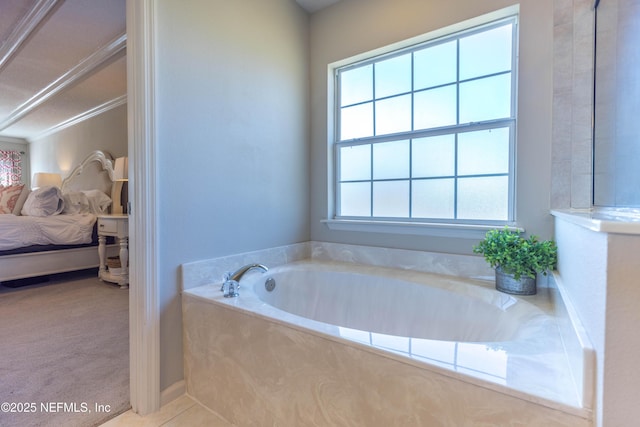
{"type": "Point", "coordinates": [617, 221]}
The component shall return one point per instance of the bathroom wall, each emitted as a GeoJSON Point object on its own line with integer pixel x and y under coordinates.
{"type": "Point", "coordinates": [572, 104]}
{"type": "Point", "coordinates": [598, 269]}
{"type": "Point", "coordinates": [60, 152]}
{"type": "Point", "coordinates": [617, 86]}
{"type": "Point", "coordinates": [352, 27]}
{"type": "Point", "coordinates": [232, 139]}
{"type": "Point", "coordinates": [600, 273]}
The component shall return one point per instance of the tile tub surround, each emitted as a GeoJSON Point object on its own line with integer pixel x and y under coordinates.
{"type": "Point", "coordinates": [204, 272]}
{"type": "Point", "coordinates": [429, 262]}
{"type": "Point", "coordinates": [234, 356]}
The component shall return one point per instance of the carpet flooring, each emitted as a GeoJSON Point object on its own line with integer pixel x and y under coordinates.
{"type": "Point", "coordinates": [64, 352]}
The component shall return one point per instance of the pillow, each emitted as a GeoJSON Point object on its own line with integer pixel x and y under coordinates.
{"type": "Point", "coordinates": [44, 201]}
{"type": "Point", "coordinates": [98, 201]}
{"type": "Point", "coordinates": [9, 197]}
{"type": "Point", "coordinates": [89, 201]}
{"type": "Point", "coordinates": [20, 202]}
{"type": "Point", "coordinates": [75, 202]}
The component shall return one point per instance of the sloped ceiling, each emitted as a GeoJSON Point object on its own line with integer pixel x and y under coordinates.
{"type": "Point", "coordinates": [64, 60]}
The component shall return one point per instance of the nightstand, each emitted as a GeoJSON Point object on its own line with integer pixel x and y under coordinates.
{"type": "Point", "coordinates": [115, 226]}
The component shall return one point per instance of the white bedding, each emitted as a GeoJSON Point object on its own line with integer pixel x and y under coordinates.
{"type": "Point", "coordinates": [66, 229]}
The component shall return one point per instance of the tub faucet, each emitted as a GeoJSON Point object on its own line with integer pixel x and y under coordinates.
{"type": "Point", "coordinates": [231, 283]}
{"type": "Point", "coordinates": [237, 275]}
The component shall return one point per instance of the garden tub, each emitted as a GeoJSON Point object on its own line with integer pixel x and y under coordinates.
{"type": "Point", "coordinates": [346, 344]}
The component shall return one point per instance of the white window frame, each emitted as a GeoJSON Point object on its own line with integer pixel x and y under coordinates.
{"type": "Point", "coordinates": [437, 227]}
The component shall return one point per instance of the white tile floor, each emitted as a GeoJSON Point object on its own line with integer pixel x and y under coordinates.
{"type": "Point", "coordinates": [182, 412]}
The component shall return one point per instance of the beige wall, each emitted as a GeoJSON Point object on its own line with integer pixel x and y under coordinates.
{"type": "Point", "coordinates": [232, 139]}
{"type": "Point", "coordinates": [62, 151]}
{"type": "Point", "coordinates": [353, 26]}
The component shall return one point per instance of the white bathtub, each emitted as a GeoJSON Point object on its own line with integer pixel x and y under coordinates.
{"type": "Point", "coordinates": [398, 303]}
{"type": "Point", "coordinates": [402, 341]}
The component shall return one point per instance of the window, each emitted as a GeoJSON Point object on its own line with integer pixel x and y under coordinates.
{"type": "Point", "coordinates": [427, 133]}
{"type": "Point", "coordinates": [10, 167]}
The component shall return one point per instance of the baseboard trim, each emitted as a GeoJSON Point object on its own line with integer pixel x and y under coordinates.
{"type": "Point", "coordinates": [173, 392]}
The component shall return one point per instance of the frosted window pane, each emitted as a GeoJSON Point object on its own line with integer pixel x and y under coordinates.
{"type": "Point", "coordinates": [483, 198]}
{"type": "Point", "coordinates": [356, 121]}
{"type": "Point", "coordinates": [483, 152]}
{"type": "Point", "coordinates": [433, 156]}
{"type": "Point", "coordinates": [391, 199]}
{"type": "Point", "coordinates": [435, 108]}
{"type": "Point", "coordinates": [433, 198]}
{"type": "Point", "coordinates": [485, 53]}
{"type": "Point", "coordinates": [356, 85]}
{"type": "Point", "coordinates": [435, 66]}
{"type": "Point", "coordinates": [485, 99]}
{"type": "Point", "coordinates": [393, 76]}
{"type": "Point", "coordinates": [355, 199]}
{"type": "Point", "coordinates": [391, 160]}
{"type": "Point", "coordinates": [355, 163]}
{"type": "Point", "coordinates": [393, 115]}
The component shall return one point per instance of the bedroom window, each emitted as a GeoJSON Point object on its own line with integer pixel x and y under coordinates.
{"type": "Point", "coordinates": [10, 167]}
{"type": "Point", "coordinates": [427, 133]}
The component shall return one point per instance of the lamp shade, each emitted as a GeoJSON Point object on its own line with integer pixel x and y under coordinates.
{"type": "Point", "coordinates": [121, 169]}
{"type": "Point", "coordinates": [42, 179]}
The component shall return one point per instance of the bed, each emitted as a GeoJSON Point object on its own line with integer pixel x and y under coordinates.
{"type": "Point", "coordinates": [93, 176]}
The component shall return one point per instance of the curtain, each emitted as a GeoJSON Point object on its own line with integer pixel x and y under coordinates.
{"type": "Point", "coordinates": [10, 167]}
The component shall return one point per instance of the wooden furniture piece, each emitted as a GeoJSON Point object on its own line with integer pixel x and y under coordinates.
{"type": "Point", "coordinates": [115, 226]}
{"type": "Point", "coordinates": [95, 172]}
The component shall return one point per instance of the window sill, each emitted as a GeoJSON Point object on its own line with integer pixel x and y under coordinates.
{"type": "Point", "coordinates": [469, 231]}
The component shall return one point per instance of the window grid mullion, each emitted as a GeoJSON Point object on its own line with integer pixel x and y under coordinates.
{"type": "Point", "coordinates": [375, 133]}
{"type": "Point", "coordinates": [455, 177]}
{"type": "Point", "coordinates": [422, 133]}
{"type": "Point", "coordinates": [455, 140]}
{"type": "Point", "coordinates": [371, 180]}
{"type": "Point", "coordinates": [411, 139]}
{"type": "Point", "coordinates": [424, 89]}
{"type": "Point", "coordinates": [425, 178]}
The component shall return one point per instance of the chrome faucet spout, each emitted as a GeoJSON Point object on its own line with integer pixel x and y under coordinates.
{"type": "Point", "coordinates": [231, 283]}
{"type": "Point", "coordinates": [237, 275]}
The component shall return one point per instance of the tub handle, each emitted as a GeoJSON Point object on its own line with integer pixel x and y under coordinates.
{"type": "Point", "coordinates": [229, 286]}
{"type": "Point", "coordinates": [225, 279]}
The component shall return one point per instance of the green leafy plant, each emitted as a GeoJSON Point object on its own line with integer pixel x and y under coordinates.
{"type": "Point", "coordinates": [516, 255]}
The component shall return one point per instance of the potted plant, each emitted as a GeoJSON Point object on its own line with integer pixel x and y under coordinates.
{"type": "Point", "coordinates": [517, 260]}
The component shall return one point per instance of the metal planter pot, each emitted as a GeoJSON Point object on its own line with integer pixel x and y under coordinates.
{"type": "Point", "coordinates": [507, 284]}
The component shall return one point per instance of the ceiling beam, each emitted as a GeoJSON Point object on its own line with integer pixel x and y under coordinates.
{"type": "Point", "coordinates": [86, 67]}
{"type": "Point", "coordinates": [24, 28]}
{"type": "Point", "coordinates": [109, 105]}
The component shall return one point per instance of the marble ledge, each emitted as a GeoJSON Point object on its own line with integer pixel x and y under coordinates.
{"type": "Point", "coordinates": [210, 271]}
{"type": "Point", "coordinates": [616, 221]}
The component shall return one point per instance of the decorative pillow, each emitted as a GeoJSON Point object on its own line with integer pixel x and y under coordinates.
{"type": "Point", "coordinates": [44, 201]}
{"type": "Point", "coordinates": [20, 203]}
{"type": "Point", "coordinates": [89, 201]}
{"type": "Point", "coordinates": [9, 197]}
